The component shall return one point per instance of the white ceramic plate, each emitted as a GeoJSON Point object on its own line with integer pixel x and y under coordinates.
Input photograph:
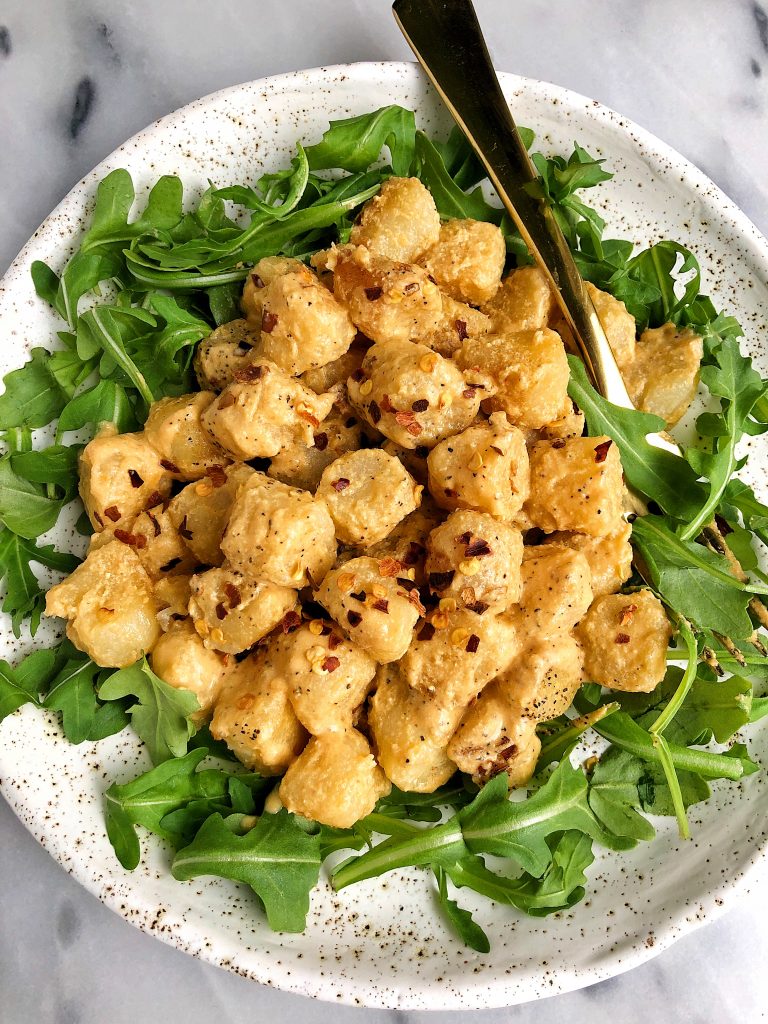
{"type": "Point", "coordinates": [382, 943]}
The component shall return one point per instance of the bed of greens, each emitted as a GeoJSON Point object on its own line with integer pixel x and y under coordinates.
{"type": "Point", "coordinates": [141, 291]}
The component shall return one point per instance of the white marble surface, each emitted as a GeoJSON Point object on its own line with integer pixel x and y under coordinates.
{"type": "Point", "coordinates": [79, 76]}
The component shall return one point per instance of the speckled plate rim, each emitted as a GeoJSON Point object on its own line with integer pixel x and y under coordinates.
{"type": "Point", "coordinates": [503, 990]}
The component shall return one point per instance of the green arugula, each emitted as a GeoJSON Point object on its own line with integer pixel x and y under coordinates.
{"type": "Point", "coordinates": [278, 858]}
{"type": "Point", "coordinates": [356, 142]}
{"type": "Point", "coordinates": [161, 716]}
{"type": "Point", "coordinates": [24, 597]}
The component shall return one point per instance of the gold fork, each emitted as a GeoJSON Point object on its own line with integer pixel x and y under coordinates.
{"type": "Point", "coordinates": [446, 38]}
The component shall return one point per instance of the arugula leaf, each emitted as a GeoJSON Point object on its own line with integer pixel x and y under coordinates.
{"type": "Point", "coordinates": [24, 508]}
{"type": "Point", "coordinates": [150, 799]}
{"type": "Point", "coordinates": [161, 714]}
{"type": "Point", "coordinates": [657, 473]}
{"type": "Point", "coordinates": [622, 731]}
{"type": "Point", "coordinates": [109, 330]}
{"type": "Point", "coordinates": [33, 396]}
{"type": "Point", "coordinates": [731, 378]}
{"type": "Point", "coordinates": [24, 597]}
{"type": "Point", "coordinates": [494, 824]}
{"type": "Point", "coordinates": [72, 692]}
{"type": "Point", "coordinates": [695, 581]}
{"type": "Point", "coordinates": [470, 933]}
{"type": "Point", "coordinates": [356, 142]}
{"type": "Point", "coordinates": [450, 200]}
{"type": "Point", "coordinates": [614, 797]}
{"type": "Point", "coordinates": [105, 402]}
{"type": "Point", "coordinates": [560, 887]}
{"type": "Point", "coordinates": [22, 683]}
{"type": "Point", "coordinates": [277, 858]}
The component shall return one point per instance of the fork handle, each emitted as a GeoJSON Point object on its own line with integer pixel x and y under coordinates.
{"type": "Point", "coordinates": [447, 40]}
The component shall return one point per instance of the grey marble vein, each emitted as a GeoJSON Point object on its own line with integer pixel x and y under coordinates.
{"type": "Point", "coordinates": [77, 77]}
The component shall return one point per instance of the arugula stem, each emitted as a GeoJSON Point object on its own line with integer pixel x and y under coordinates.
{"type": "Point", "coordinates": [426, 846]}
{"type": "Point", "coordinates": [387, 826]}
{"type": "Point", "coordinates": [706, 763]}
{"type": "Point", "coordinates": [571, 733]}
{"type": "Point", "coordinates": [667, 764]}
{"type": "Point", "coordinates": [677, 698]}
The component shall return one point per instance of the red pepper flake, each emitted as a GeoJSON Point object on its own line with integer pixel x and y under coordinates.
{"type": "Point", "coordinates": [98, 518]}
{"type": "Point", "coordinates": [374, 411]}
{"type": "Point", "coordinates": [560, 443]}
{"type": "Point", "coordinates": [495, 448]}
{"type": "Point", "coordinates": [184, 530]}
{"type": "Point", "coordinates": [171, 565]}
{"type": "Point", "coordinates": [406, 584]}
{"type": "Point", "coordinates": [414, 553]}
{"type": "Point", "coordinates": [477, 549]}
{"type": "Point", "coordinates": [405, 417]}
{"type": "Point", "coordinates": [415, 600]}
{"type": "Point", "coordinates": [248, 375]}
{"type": "Point", "coordinates": [420, 405]}
{"type": "Point", "coordinates": [441, 580]}
{"type": "Point", "coordinates": [170, 466]}
{"type": "Point", "coordinates": [627, 615]}
{"type": "Point", "coordinates": [450, 493]}
{"type": "Point", "coordinates": [601, 451]}
{"type": "Point", "coordinates": [381, 605]}
{"type": "Point", "coordinates": [464, 538]}
{"type": "Point", "coordinates": [290, 621]}
{"type": "Point", "coordinates": [305, 414]}
{"type": "Point", "coordinates": [354, 618]}
{"type": "Point", "coordinates": [257, 280]}
{"type": "Point", "coordinates": [411, 287]}
{"type": "Point", "coordinates": [461, 329]}
{"type": "Point", "coordinates": [321, 442]}
{"type": "Point", "coordinates": [330, 664]}
{"type": "Point", "coordinates": [389, 566]}
{"type": "Point", "coordinates": [113, 513]}
{"type": "Point", "coordinates": [333, 641]}
{"type": "Point", "coordinates": [233, 594]}
{"type": "Point", "coordinates": [359, 596]}
{"type": "Point", "coordinates": [155, 524]}
{"type": "Point", "coordinates": [469, 392]}
{"type": "Point", "coordinates": [154, 499]}
{"type": "Point", "coordinates": [268, 321]}
{"type": "Point", "coordinates": [358, 376]}
{"type": "Point", "coordinates": [622, 638]}
{"type": "Point", "coordinates": [426, 632]}
{"type": "Point", "coordinates": [135, 540]}
{"type": "Point", "coordinates": [478, 607]}
{"type": "Point", "coordinates": [221, 611]}
{"type": "Point", "coordinates": [135, 479]}
{"type": "Point", "coordinates": [216, 475]}
{"type": "Point", "coordinates": [414, 429]}
{"type": "Point", "coordinates": [386, 404]}
{"type": "Point", "coordinates": [226, 400]}
{"type": "Point", "coordinates": [373, 293]}
{"type": "Point", "coordinates": [472, 644]}
{"type": "Point", "coordinates": [341, 484]}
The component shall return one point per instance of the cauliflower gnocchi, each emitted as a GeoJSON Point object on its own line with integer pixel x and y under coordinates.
{"type": "Point", "coordinates": [367, 492]}
{"type": "Point", "coordinates": [484, 468]}
{"type": "Point", "coordinates": [263, 411]}
{"type": "Point", "coordinates": [529, 370]}
{"type": "Point", "coordinates": [425, 561]}
{"type": "Point", "coordinates": [413, 395]}
{"type": "Point", "coordinates": [279, 533]}
{"type": "Point", "coordinates": [467, 260]}
{"type": "Point", "coordinates": [400, 222]}
{"type": "Point", "coordinates": [474, 560]}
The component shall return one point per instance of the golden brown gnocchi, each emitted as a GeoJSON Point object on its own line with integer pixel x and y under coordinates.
{"type": "Point", "coordinates": [400, 222]}
{"type": "Point", "coordinates": [232, 613]}
{"type": "Point", "coordinates": [467, 260]}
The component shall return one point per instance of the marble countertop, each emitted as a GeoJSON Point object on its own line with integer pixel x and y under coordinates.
{"type": "Point", "coordinates": [77, 77]}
